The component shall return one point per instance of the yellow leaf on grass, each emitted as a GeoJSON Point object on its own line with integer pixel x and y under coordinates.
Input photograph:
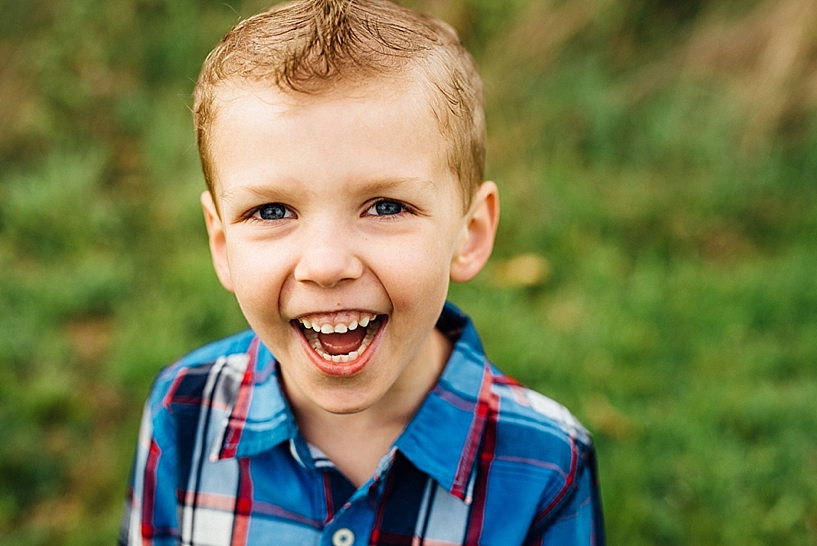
{"type": "Point", "coordinates": [527, 269]}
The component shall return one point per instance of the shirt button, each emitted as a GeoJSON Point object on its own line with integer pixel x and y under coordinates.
{"type": "Point", "coordinates": [343, 537]}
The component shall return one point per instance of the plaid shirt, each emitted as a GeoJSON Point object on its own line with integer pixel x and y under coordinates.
{"type": "Point", "coordinates": [485, 460]}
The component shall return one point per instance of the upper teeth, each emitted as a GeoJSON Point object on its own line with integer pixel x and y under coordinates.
{"type": "Point", "coordinates": [340, 327]}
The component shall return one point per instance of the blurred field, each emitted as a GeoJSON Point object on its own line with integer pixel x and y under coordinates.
{"type": "Point", "coordinates": [655, 270]}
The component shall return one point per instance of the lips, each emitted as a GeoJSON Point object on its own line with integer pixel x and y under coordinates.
{"type": "Point", "coordinates": [340, 344]}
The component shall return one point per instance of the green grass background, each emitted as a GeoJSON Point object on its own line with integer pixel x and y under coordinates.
{"type": "Point", "coordinates": [657, 166]}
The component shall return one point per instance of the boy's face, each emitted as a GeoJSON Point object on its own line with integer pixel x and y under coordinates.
{"type": "Point", "coordinates": [339, 212]}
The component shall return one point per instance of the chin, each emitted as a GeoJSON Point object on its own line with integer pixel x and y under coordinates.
{"type": "Point", "coordinates": [344, 408]}
{"type": "Point", "coordinates": [344, 400]}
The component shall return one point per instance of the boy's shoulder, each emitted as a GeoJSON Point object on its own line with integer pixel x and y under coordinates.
{"type": "Point", "coordinates": [480, 424]}
{"type": "Point", "coordinates": [533, 412]}
{"type": "Point", "coordinates": [188, 375]}
{"type": "Point", "coordinates": [535, 436]}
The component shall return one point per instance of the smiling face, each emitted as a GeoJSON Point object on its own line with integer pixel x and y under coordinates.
{"type": "Point", "coordinates": [338, 224]}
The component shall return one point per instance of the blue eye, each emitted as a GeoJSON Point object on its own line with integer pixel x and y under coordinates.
{"type": "Point", "coordinates": [387, 208]}
{"type": "Point", "coordinates": [273, 211]}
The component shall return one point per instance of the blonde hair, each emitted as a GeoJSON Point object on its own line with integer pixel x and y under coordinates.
{"type": "Point", "coordinates": [308, 46]}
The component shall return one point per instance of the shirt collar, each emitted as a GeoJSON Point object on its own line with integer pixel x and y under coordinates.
{"type": "Point", "coordinates": [442, 439]}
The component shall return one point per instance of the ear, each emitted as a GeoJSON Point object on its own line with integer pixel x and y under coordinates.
{"type": "Point", "coordinates": [218, 240]}
{"type": "Point", "coordinates": [477, 240]}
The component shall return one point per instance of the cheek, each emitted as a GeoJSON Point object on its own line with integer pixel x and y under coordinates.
{"type": "Point", "coordinates": [413, 273]}
{"type": "Point", "coordinates": [256, 280]}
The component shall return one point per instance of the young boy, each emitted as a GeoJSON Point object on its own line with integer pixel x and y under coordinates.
{"type": "Point", "coordinates": [342, 143]}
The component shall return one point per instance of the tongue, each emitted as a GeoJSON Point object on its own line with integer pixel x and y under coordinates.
{"type": "Point", "coordinates": [341, 344]}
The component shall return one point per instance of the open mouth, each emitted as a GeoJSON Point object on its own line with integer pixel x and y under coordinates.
{"type": "Point", "coordinates": [340, 338]}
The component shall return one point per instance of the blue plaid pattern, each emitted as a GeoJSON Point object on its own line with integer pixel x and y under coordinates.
{"type": "Point", "coordinates": [220, 462]}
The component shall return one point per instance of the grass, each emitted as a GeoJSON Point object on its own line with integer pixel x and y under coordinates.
{"type": "Point", "coordinates": [668, 226]}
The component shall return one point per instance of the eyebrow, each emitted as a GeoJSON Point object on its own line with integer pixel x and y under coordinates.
{"type": "Point", "coordinates": [391, 183]}
{"type": "Point", "coordinates": [375, 186]}
{"type": "Point", "coordinates": [261, 191]}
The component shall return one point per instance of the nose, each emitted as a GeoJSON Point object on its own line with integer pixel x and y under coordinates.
{"type": "Point", "coordinates": [327, 257]}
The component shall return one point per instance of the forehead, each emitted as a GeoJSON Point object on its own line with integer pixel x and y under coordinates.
{"type": "Point", "coordinates": [409, 88]}
{"type": "Point", "coordinates": [378, 128]}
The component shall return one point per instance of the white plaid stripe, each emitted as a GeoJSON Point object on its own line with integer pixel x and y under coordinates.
{"type": "Point", "coordinates": [443, 518]}
{"type": "Point", "coordinates": [213, 525]}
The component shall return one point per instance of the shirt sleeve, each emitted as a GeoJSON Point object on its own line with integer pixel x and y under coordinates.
{"type": "Point", "coordinates": [577, 518]}
{"type": "Point", "coordinates": [150, 508]}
